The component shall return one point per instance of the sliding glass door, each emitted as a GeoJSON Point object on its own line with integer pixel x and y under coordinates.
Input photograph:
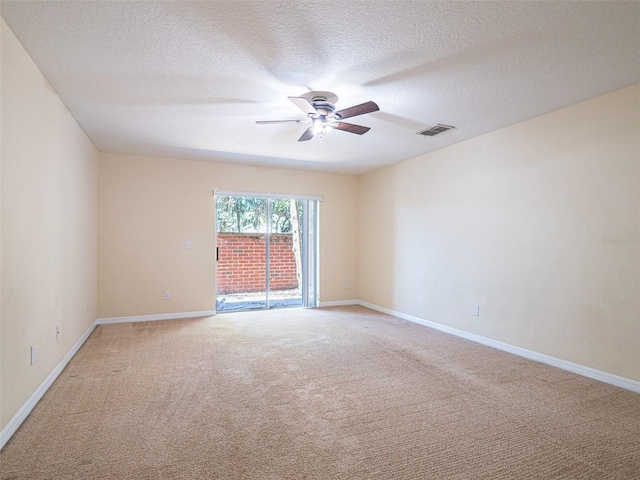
{"type": "Point", "coordinates": [266, 251]}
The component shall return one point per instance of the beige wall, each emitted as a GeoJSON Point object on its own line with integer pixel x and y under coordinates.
{"type": "Point", "coordinates": [538, 223]}
{"type": "Point", "coordinates": [49, 224]}
{"type": "Point", "coordinates": [149, 207]}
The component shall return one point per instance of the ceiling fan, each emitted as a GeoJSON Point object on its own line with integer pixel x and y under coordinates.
{"type": "Point", "coordinates": [319, 107]}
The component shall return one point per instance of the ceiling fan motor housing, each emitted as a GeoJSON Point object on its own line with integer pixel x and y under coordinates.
{"type": "Point", "coordinates": [323, 107]}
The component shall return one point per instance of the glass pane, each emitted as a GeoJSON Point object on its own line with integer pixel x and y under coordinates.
{"type": "Point", "coordinates": [285, 253]}
{"type": "Point", "coordinates": [311, 255]}
{"type": "Point", "coordinates": [241, 256]}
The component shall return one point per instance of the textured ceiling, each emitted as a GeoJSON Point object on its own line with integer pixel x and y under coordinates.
{"type": "Point", "coordinates": [189, 79]}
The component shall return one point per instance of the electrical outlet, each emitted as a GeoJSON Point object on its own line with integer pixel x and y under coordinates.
{"type": "Point", "coordinates": [57, 333]}
{"type": "Point", "coordinates": [34, 354]}
{"type": "Point", "coordinates": [167, 295]}
{"type": "Point", "coordinates": [391, 292]}
{"type": "Point", "coordinates": [187, 244]}
{"type": "Point", "coordinates": [347, 284]}
{"type": "Point", "coordinates": [476, 310]}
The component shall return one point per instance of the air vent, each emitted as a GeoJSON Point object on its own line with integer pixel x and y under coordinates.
{"type": "Point", "coordinates": [439, 128]}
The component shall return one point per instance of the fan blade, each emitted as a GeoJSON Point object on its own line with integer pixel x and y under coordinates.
{"type": "Point", "coordinates": [307, 135]}
{"type": "Point", "coordinates": [361, 109]}
{"type": "Point", "coordinates": [304, 105]}
{"type": "Point", "coordinates": [350, 127]}
{"type": "Point", "coordinates": [265, 122]}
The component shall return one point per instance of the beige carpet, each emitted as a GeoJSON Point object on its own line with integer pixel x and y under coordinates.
{"type": "Point", "coordinates": [342, 393]}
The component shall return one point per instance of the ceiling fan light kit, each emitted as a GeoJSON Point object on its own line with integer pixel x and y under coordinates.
{"type": "Point", "coordinates": [320, 107]}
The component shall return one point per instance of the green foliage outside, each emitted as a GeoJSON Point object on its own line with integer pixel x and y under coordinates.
{"type": "Point", "coordinates": [248, 215]}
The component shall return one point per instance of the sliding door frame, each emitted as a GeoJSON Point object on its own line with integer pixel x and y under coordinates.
{"type": "Point", "coordinates": [310, 244]}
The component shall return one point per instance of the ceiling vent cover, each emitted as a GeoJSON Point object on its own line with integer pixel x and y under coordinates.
{"type": "Point", "coordinates": [439, 128]}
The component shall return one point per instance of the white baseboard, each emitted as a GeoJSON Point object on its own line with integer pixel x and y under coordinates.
{"type": "Point", "coordinates": [159, 316]}
{"type": "Point", "coordinates": [588, 372]}
{"type": "Point", "coordinates": [13, 425]}
{"type": "Point", "coordinates": [338, 303]}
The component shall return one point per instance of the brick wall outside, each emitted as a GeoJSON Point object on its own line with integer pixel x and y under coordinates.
{"type": "Point", "coordinates": [241, 263]}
